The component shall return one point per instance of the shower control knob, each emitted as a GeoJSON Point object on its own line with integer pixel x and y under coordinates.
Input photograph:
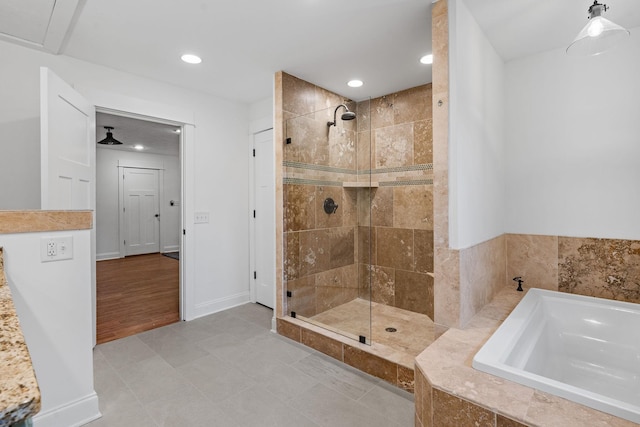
{"type": "Point", "coordinates": [330, 206]}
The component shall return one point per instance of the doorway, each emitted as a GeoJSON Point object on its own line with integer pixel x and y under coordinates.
{"type": "Point", "coordinates": [263, 242]}
{"type": "Point", "coordinates": [138, 225]}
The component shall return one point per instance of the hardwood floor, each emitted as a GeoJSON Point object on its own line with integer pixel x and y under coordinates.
{"type": "Point", "coordinates": [135, 294]}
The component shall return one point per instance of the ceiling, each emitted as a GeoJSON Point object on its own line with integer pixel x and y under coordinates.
{"type": "Point", "coordinates": [244, 42]}
{"type": "Point", "coordinates": [522, 28]}
{"type": "Point", "coordinates": [156, 138]}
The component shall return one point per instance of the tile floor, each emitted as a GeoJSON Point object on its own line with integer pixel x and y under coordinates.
{"type": "Point", "coordinates": [413, 331]}
{"type": "Point", "coordinates": [228, 369]}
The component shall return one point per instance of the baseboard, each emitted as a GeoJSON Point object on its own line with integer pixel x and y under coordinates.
{"type": "Point", "coordinates": [210, 307]}
{"type": "Point", "coordinates": [107, 255]}
{"type": "Point", "coordinates": [73, 414]}
{"type": "Point", "coordinates": [171, 248]}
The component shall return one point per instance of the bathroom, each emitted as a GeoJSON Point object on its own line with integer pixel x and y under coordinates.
{"type": "Point", "coordinates": [530, 179]}
{"type": "Point", "coordinates": [533, 170]}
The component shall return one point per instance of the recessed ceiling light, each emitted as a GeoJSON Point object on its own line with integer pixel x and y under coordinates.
{"type": "Point", "coordinates": [355, 83]}
{"type": "Point", "coordinates": [191, 59]}
{"type": "Point", "coordinates": [138, 147]}
{"type": "Point", "coordinates": [427, 59]}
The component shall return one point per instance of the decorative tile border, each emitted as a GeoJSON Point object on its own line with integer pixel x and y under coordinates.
{"type": "Point", "coordinates": [403, 183]}
{"type": "Point", "coordinates": [324, 168]}
{"type": "Point", "coordinates": [309, 166]}
{"type": "Point", "coordinates": [300, 181]}
{"type": "Point", "coordinates": [422, 167]}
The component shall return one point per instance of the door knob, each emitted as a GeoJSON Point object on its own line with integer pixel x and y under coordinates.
{"type": "Point", "coordinates": [157, 215]}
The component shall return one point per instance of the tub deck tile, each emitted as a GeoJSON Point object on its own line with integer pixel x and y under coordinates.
{"type": "Point", "coordinates": [445, 367]}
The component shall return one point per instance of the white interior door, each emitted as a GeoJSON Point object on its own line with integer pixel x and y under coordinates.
{"type": "Point", "coordinates": [67, 145]}
{"type": "Point", "coordinates": [68, 155]}
{"type": "Point", "coordinates": [141, 211]}
{"type": "Point", "coordinates": [265, 232]}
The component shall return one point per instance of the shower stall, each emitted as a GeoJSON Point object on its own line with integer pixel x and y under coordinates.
{"type": "Point", "coordinates": [358, 214]}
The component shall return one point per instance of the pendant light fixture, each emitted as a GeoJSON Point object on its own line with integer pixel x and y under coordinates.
{"type": "Point", "coordinates": [598, 35]}
{"type": "Point", "coordinates": [109, 140]}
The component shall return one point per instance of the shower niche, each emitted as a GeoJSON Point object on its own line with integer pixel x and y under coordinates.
{"type": "Point", "coordinates": [358, 214]}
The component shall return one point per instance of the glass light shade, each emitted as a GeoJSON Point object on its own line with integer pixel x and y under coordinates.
{"type": "Point", "coordinates": [597, 36]}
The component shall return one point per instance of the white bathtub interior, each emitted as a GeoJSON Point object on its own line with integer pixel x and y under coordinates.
{"type": "Point", "coordinates": [581, 348]}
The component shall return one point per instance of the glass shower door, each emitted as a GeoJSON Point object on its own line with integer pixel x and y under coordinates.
{"type": "Point", "coordinates": [327, 248]}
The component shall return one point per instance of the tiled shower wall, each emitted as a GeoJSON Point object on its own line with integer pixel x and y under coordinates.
{"type": "Point", "coordinates": [401, 213]}
{"type": "Point", "coordinates": [389, 143]}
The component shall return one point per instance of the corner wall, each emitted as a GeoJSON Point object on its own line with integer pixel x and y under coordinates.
{"type": "Point", "coordinates": [476, 140]}
{"type": "Point", "coordinates": [468, 165]}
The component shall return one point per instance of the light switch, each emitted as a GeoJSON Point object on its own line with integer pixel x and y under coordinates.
{"type": "Point", "coordinates": [201, 218]}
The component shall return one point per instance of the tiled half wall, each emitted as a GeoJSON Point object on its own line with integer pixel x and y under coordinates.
{"type": "Point", "coordinates": [378, 169]}
{"type": "Point", "coordinates": [604, 268]}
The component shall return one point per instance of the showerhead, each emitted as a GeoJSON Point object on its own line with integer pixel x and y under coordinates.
{"type": "Point", "coordinates": [347, 115]}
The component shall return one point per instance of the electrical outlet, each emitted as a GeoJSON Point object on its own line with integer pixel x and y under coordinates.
{"type": "Point", "coordinates": [56, 248]}
{"type": "Point", "coordinates": [201, 218]}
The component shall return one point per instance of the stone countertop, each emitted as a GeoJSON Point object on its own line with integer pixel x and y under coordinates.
{"type": "Point", "coordinates": [446, 364]}
{"type": "Point", "coordinates": [36, 221]}
{"type": "Point", "coordinates": [19, 392]}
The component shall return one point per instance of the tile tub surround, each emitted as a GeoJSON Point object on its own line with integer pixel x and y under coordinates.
{"type": "Point", "coordinates": [449, 392]}
{"type": "Point", "coordinates": [19, 392]}
{"type": "Point", "coordinates": [604, 268]}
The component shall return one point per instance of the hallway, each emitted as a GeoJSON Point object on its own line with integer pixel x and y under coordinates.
{"type": "Point", "coordinates": [136, 294]}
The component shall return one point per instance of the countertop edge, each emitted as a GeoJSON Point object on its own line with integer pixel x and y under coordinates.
{"type": "Point", "coordinates": [31, 221]}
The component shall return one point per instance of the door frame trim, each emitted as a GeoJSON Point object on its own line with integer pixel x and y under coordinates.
{"type": "Point", "coordinates": [112, 103]}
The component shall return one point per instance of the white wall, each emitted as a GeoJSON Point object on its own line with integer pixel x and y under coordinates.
{"type": "Point", "coordinates": [261, 109]}
{"type": "Point", "coordinates": [53, 301]}
{"type": "Point", "coordinates": [573, 143]}
{"type": "Point", "coordinates": [476, 139]}
{"type": "Point", "coordinates": [107, 200]}
{"type": "Point", "coordinates": [220, 166]}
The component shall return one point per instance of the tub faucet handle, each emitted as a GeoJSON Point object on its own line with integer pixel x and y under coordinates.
{"type": "Point", "coordinates": [519, 280]}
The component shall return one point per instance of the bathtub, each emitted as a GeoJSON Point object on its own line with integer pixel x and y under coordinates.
{"type": "Point", "coordinates": [580, 348]}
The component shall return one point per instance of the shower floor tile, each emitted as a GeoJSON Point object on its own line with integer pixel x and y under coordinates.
{"type": "Point", "coordinates": [414, 331]}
